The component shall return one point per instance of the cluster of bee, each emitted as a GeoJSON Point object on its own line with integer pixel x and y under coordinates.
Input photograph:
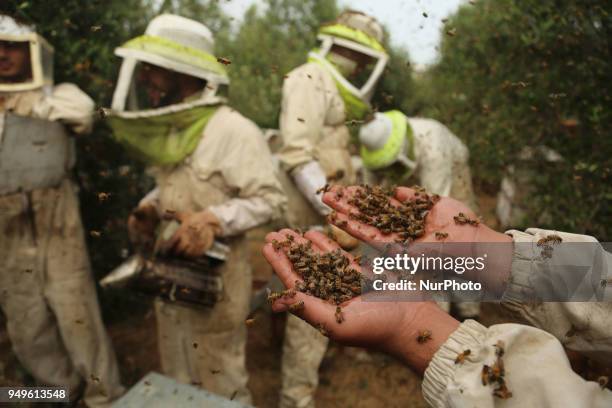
{"type": "Point", "coordinates": [547, 243]}
{"type": "Point", "coordinates": [462, 219]}
{"type": "Point", "coordinates": [328, 276]}
{"type": "Point", "coordinates": [496, 373]}
{"type": "Point", "coordinates": [407, 219]}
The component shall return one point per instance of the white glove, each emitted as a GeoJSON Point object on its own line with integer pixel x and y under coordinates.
{"type": "Point", "coordinates": [308, 179]}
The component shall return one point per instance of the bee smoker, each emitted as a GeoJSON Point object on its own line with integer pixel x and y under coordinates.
{"type": "Point", "coordinates": [191, 281]}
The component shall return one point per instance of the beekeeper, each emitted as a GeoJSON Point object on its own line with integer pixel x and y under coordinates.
{"type": "Point", "coordinates": [319, 98]}
{"type": "Point", "coordinates": [48, 295]}
{"type": "Point", "coordinates": [214, 174]}
{"type": "Point", "coordinates": [468, 364]}
{"type": "Point", "coordinates": [395, 147]}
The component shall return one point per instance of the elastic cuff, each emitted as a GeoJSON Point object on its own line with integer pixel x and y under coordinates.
{"type": "Point", "coordinates": [218, 211]}
{"type": "Point", "coordinates": [524, 262]}
{"type": "Point", "coordinates": [441, 369]}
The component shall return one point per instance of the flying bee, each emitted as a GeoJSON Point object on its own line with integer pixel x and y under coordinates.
{"type": "Point", "coordinates": [249, 322]}
{"type": "Point", "coordinates": [323, 189]}
{"type": "Point", "coordinates": [461, 356]}
{"type": "Point", "coordinates": [424, 336]}
{"type": "Point", "coordinates": [223, 61]}
{"type": "Point", "coordinates": [102, 196]}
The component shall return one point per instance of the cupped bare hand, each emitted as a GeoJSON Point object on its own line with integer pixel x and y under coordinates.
{"type": "Point", "coordinates": [440, 228]}
{"type": "Point", "coordinates": [389, 326]}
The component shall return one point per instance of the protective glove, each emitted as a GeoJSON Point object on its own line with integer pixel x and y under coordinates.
{"type": "Point", "coordinates": [308, 179]}
{"type": "Point", "coordinates": [141, 226]}
{"type": "Point", "coordinates": [195, 235]}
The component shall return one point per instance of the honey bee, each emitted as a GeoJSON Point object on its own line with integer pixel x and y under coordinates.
{"type": "Point", "coordinates": [223, 61]}
{"type": "Point", "coordinates": [195, 345]}
{"type": "Point", "coordinates": [296, 306]}
{"type": "Point", "coordinates": [95, 234]}
{"type": "Point", "coordinates": [103, 196]}
{"type": "Point", "coordinates": [499, 348]}
{"type": "Point", "coordinates": [249, 322]}
{"type": "Point", "coordinates": [502, 392]}
{"type": "Point", "coordinates": [498, 370]}
{"type": "Point", "coordinates": [550, 239]}
{"type": "Point", "coordinates": [339, 315]}
{"type": "Point", "coordinates": [273, 297]}
{"type": "Point", "coordinates": [603, 381]}
{"type": "Point", "coordinates": [424, 336]}
{"type": "Point", "coordinates": [462, 219]}
{"type": "Point", "coordinates": [484, 374]}
{"type": "Point", "coordinates": [441, 235]}
{"type": "Point", "coordinates": [323, 330]}
{"type": "Point", "coordinates": [461, 356]}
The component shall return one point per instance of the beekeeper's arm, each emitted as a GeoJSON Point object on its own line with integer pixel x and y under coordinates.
{"type": "Point", "coordinates": [581, 326]}
{"type": "Point", "coordinates": [303, 111]}
{"type": "Point", "coordinates": [537, 371]}
{"type": "Point", "coordinates": [248, 168]}
{"type": "Point", "coordinates": [69, 105]}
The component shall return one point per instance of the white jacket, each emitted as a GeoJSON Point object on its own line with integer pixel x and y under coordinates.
{"type": "Point", "coordinates": [538, 372]}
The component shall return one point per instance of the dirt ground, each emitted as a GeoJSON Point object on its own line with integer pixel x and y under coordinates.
{"type": "Point", "coordinates": [349, 377]}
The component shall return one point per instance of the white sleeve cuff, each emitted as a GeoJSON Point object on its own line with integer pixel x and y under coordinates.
{"type": "Point", "coordinates": [441, 369]}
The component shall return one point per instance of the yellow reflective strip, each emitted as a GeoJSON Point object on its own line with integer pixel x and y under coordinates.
{"type": "Point", "coordinates": [348, 33]}
{"type": "Point", "coordinates": [385, 156]}
{"type": "Point", "coordinates": [170, 49]}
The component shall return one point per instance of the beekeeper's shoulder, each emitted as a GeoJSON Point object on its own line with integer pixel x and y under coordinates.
{"type": "Point", "coordinates": [233, 128]}
{"type": "Point", "coordinates": [310, 71]}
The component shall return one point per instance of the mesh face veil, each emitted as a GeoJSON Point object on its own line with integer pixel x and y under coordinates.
{"type": "Point", "coordinates": [360, 34]}
{"type": "Point", "coordinates": [158, 128]}
{"type": "Point", "coordinates": [176, 44]}
{"type": "Point", "coordinates": [40, 56]}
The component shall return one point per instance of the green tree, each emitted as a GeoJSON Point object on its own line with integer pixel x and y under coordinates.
{"type": "Point", "coordinates": [517, 74]}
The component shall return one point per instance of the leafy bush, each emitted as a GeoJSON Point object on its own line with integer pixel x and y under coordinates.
{"type": "Point", "coordinates": [531, 73]}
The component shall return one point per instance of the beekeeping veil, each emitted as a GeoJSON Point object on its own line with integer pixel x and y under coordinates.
{"type": "Point", "coordinates": [360, 33]}
{"type": "Point", "coordinates": [166, 134]}
{"type": "Point", "coordinates": [40, 54]}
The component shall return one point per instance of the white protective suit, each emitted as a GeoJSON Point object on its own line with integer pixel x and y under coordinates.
{"type": "Point", "coordinates": [441, 162]}
{"type": "Point", "coordinates": [312, 125]}
{"type": "Point", "coordinates": [48, 294]}
{"type": "Point", "coordinates": [231, 174]}
{"type": "Point", "coordinates": [538, 372]}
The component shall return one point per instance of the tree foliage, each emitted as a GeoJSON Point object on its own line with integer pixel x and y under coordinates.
{"type": "Point", "coordinates": [531, 73]}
